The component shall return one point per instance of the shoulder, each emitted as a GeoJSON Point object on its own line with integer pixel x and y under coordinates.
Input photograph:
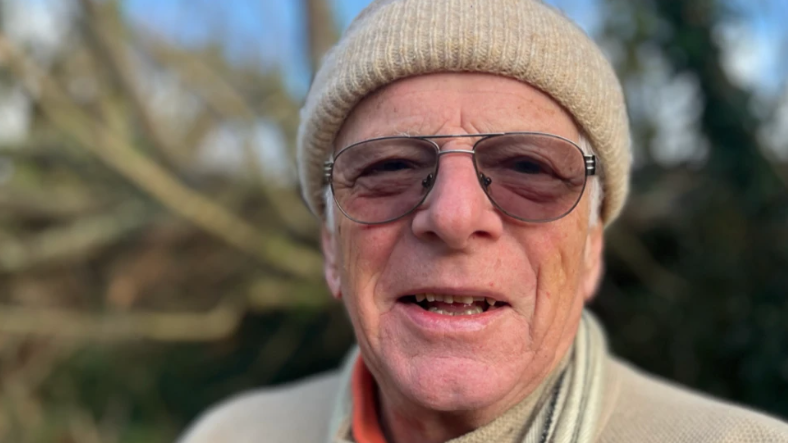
{"type": "Point", "coordinates": [648, 409]}
{"type": "Point", "coordinates": [297, 412]}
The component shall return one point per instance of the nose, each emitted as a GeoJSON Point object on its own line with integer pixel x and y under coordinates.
{"type": "Point", "coordinates": [457, 211]}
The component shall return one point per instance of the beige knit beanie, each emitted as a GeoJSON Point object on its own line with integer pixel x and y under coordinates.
{"type": "Point", "coordinates": [523, 39]}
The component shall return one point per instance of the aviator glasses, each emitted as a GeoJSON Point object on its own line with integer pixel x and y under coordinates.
{"type": "Point", "coordinates": [530, 176]}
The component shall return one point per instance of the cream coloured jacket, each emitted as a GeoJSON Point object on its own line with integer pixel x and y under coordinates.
{"type": "Point", "coordinates": [636, 408]}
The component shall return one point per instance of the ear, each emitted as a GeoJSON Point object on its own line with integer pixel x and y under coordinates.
{"type": "Point", "coordinates": [330, 268]}
{"type": "Point", "coordinates": [594, 261]}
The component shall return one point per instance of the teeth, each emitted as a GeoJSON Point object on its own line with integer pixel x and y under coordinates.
{"type": "Point", "coordinates": [469, 311]}
{"type": "Point", "coordinates": [462, 299]}
{"type": "Point", "coordinates": [441, 311]}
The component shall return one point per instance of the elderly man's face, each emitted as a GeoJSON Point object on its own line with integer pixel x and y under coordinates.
{"type": "Point", "coordinates": [457, 243]}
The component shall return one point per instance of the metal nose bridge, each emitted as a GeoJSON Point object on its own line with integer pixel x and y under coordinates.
{"type": "Point", "coordinates": [456, 151]}
{"type": "Point", "coordinates": [483, 179]}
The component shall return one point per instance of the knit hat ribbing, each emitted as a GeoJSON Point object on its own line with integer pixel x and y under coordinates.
{"type": "Point", "coordinates": [522, 39]}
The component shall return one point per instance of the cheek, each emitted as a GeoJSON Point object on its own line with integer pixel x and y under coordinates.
{"type": "Point", "coordinates": [364, 252]}
{"type": "Point", "coordinates": [364, 255]}
{"type": "Point", "coordinates": [560, 254]}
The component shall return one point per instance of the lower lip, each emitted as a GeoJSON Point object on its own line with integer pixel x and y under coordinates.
{"type": "Point", "coordinates": [431, 321]}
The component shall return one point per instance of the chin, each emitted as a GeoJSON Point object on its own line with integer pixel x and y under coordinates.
{"type": "Point", "coordinates": [454, 385]}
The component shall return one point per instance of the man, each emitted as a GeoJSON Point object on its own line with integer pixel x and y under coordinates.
{"type": "Point", "coordinates": [465, 156]}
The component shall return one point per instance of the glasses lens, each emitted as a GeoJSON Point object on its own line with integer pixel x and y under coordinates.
{"type": "Point", "coordinates": [380, 180]}
{"type": "Point", "coordinates": [531, 177]}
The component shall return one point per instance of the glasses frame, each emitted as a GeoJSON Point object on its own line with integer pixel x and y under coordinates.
{"type": "Point", "coordinates": [328, 170]}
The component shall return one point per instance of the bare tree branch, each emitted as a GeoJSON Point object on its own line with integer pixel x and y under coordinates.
{"type": "Point", "coordinates": [118, 153]}
{"type": "Point", "coordinates": [63, 243]}
{"type": "Point", "coordinates": [111, 50]}
{"type": "Point", "coordinates": [159, 326]}
{"type": "Point", "coordinates": [321, 31]}
{"type": "Point", "coordinates": [218, 323]}
{"type": "Point", "coordinates": [225, 99]}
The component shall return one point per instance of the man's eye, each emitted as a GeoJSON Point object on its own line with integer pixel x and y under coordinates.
{"type": "Point", "coordinates": [528, 167]}
{"type": "Point", "coordinates": [386, 166]}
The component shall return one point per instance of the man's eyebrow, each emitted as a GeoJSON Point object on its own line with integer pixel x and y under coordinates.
{"type": "Point", "coordinates": [380, 134]}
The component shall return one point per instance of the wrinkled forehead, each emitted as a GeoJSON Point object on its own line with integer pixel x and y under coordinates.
{"type": "Point", "coordinates": [454, 103]}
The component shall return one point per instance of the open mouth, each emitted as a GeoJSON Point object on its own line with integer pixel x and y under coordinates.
{"type": "Point", "coordinates": [453, 305]}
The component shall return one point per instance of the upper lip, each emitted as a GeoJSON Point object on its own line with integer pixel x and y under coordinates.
{"type": "Point", "coordinates": [474, 292]}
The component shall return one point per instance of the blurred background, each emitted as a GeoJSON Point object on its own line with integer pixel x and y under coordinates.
{"type": "Point", "coordinates": [155, 255]}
